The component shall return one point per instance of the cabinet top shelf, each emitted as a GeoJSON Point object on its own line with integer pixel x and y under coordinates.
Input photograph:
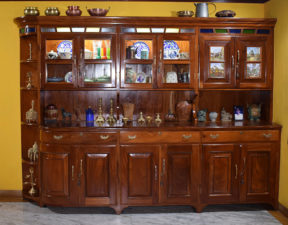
{"type": "Point", "coordinates": [183, 21]}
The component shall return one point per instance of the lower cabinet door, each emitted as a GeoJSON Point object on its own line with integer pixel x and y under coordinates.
{"type": "Point", "coordinates": [219, 174]}
{"type": "Point", "coordinates": [58, 175]}
{"type": "Point", "coordinates": [180, 174]}
{"type": "Point", "coordinates": [97, 173]}
{"type": "Point", "coordinates": [258, 177]}
{"type": "Point", "coordinates": [139, 174]}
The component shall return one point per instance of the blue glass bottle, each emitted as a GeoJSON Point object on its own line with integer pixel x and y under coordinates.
{"type": "Point", "coordinates": [89, 115]}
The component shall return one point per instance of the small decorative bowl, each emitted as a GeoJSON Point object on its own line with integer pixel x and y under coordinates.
{"type": "Point", "coordinates": [185, 13]}
{"type": "Point", "coordinates": [225, 13]}
{"type": "Point", "coordinates": [98, 11]}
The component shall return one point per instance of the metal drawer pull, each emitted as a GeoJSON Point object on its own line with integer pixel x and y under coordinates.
{"type": "Point", "coordinates": [58, 137]}
{"type": "Point", "coordinates": [131, 137]}
{"type": "Point", "coordinates": [214, 136]}
{"type": "Point", "coordinates": [104, 137]}
{"type": "Point", "coordinates": [187, 136]}
{"type": "Point", "coordinates": [267, 135]}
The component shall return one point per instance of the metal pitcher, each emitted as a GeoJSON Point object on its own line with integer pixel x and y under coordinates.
{"type": "Point", "coordinates": [202, 9]}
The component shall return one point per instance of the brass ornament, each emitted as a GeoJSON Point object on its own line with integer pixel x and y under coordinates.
{"type": "Point", "coordinates": [33, 152]}
{"type": "Point", "coordinates": [100, 119]}
{"type": "Point", "coordinates": [31, 181]}
{"type": "Point", "coordinates": [31, 114]}
{"type": "Point", "coordinates": [111, 119]}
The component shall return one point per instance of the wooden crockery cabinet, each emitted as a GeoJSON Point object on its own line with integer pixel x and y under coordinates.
{"type": "Point", "coordinates": [157, 65]}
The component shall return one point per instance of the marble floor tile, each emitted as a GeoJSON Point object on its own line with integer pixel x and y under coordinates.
{"type": "Point", "coordinates": [25, 213]}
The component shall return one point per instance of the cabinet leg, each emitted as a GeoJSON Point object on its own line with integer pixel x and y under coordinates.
{"type": "Point", "coordinates": [118, 209]}
{"type": "Point", "coordinates": [199, 208]}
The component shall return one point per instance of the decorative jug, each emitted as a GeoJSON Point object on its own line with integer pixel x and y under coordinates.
{"type": "Point", "coordinates": [89, 115]}
{"type": "Point", "coordinates": [202, 9]}
{"type": "Point", "coordinates": [31, 11]}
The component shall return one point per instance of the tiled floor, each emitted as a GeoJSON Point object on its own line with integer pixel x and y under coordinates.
{"type": "Point", "coordinates": [25, 213]}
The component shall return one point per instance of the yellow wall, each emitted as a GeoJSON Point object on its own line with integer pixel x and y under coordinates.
{"type": "Point", "coordinates": [278, 8]}
{"type": "Point", "coordinates": [10, 151]}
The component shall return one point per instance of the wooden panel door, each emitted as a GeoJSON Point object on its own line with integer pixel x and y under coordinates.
{"type": "Point", "coordinates": [139, 174]}
{"type": "Point", "coordinates": [217, 62]}
{"type": "Point", "coordinates": [259, 168]}
{"type": "Point", "coordinates": [98, 175]}
{"type": "Point", "coordinates": [220, 173]}
{"type": "Point", "coordinates": [254, 64]}
{"type": "Point", "coordinates": [180, 169]}
{"type": "Point", "coordinates": [58, 175]}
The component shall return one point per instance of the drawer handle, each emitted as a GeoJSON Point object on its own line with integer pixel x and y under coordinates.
{"type": "Point", "coordinates": [186, 136]}
{"type": "Point", "coordinates": [267, 135]}
{"type": "Point", "coordinates": [104, 137]}
{"type": "Point", "coordinates": [58, 137]}
{"type": "Point", "coordinates": [131, 137]}
{"type": "Point", "coordinates": [214, 136]}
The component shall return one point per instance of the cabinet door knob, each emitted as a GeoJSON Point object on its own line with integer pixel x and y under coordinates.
{"type": "Point", "coordinates": [131, 137]}
{"type": "Point", "coordinates": [214, 136]}
{"type": "Point", "coordinates": [267, 135]}
{"type": "Point", "coordinates": [104, 137]}
{"type": "Point", "coordinates": [186, 136]}
{"type": "Point", "coordinates": [58, 137]}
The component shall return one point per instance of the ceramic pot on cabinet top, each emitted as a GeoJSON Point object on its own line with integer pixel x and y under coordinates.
{"type": "Point", "coordinates": [73, 10]}
{"type": "Point", "coordinates": [52, 11]}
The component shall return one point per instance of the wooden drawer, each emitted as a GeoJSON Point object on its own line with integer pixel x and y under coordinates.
{"type": "Point", "coordinates": [159, 137]}
{"type": "Point", "coordinates": [78, 137]}
{"type": "Point", "coordinates": [240, 136]}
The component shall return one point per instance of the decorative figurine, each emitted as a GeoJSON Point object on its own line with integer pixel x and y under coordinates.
{"type": "Point", "coordinates": [66, 114]}
{"type": "Point", "coordinates": [89, 115]}
{"type": "Point", "coordinates": [29, 80]}
{"type": "Point", "coordinates": [100, 119]}
{"type": "Point", "coordinates": [30, 176]}
{"type": "Point", "coordinates": [158, 119]}
{"type": "Point", "coordinates": [201, 115]}
{"type": "Point", "coordinates": [31, 114]}
{"type": "Point", "coordinates": [33, 152]}
{"type": "Point", "coordinates": [141, 119]}
{"type": "Point", "coordinates": [225, 116]}
{"type": "Point", "coordinates": [128, 109]}
{"type": "Point", "coordinates": [77, 113]}
{"type": "Point", "coordinates": [183, 111]}
{"type": "Point", "coordinates": [213, 116]}
{"type": "Point", "coordinates": [149, 119]}
{"type": "Point", "coordinates": [194, 113]}
{"type": "Point", "coordinates": [254, 112]}
{"type": "Point", "coordinates": [51, 112]}
{"type": "Point", "coordinates": [238, 113]}
{"type": "Point", "coordinates": [111, 119]}
{"type": "Point", "coordinates": [125, 120]}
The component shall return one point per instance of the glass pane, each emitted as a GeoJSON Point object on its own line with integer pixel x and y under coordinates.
{"type": "Point", "coordinates": [143, 30]}
{"type": "Point", "coordinates": [172, 30]}
{"type": "Point", "coordinates": [138, 73]}
{"type": "Point", "coordinates": [97, 49]}
{"type": "Point", "coordinates": [48, 29]}
{"type": "Point", "coordinates": [253, 54]}
{"type": "Point", "coordinates": [78, 29]}
{"type": "Point", "coordinates": [157, 30]}
{"type": "Point", "coordinates": [253, 70]}
{"type": "Point", "coordinates": [217, 70]}
{"type": "Point", "coordinates": [63, 29]}
{"type": "Point", "coordinates": [176, 49]}
{"type": "Point", "coordinates": [176, 73]}
{"type": "Point", "coordinates": [59, 49]}
{"type": "Point", "coordinates": [128, 30]}
{"type": "Point", "coordinates": [59, 73]}
{"type": "Point", "coordinates": [187, 30]}
{"type": "Point", "coordinates": [217, 53]}
{"type": "Point", "coordinates": [108, 29]}
{"type": "Point", "coordinates": [138, 49]}
{"type": "Point", "coordinates": [97, 73]}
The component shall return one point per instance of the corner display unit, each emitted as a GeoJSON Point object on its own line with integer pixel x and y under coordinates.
{"type": "Point", "coordinates": [148, 111]}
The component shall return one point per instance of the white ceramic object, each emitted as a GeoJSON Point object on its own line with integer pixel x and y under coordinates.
{"type": "Point", "coordinates": [88, 54]}
{"type": "Point", "coordinates": [213, 116]}
{"type": "Point", "coordinates": [171, 77]}
{"type": "Point", "coordinates": [52, 55]}
{"type": "Point", "coordinates": [65, 55]}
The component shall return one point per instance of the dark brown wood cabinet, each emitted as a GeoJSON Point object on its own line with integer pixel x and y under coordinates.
{"type": "Point", "coordinates": [220, 173]}
{"type": "Point", "coordinates": [69, 64]}
{"type": "Point", "coordinates": [139, 174]}
{"type": "Point", "coordinates": [58, 173]}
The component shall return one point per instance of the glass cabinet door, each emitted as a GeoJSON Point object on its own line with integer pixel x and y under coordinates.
{"type": "Point", "coordinates": [60, 62]}
{"type": "Point", "coordinates": [138, 61]}
{"type": "Point", "coordinates": [253, 67]}
{"type": "Point", "coordinates": [97, 62]}
{"type": "Point", "coordinates": [175, 68]}
{"type": "Point", "coordinates": [217, 62]}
